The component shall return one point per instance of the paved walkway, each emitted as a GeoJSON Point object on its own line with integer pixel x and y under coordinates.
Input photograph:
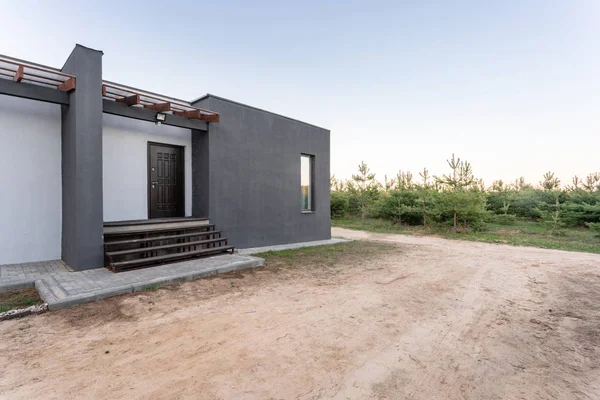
{"type": "Point", "coordinates": [17, 276]}
{"type": "Point", "coordinates": [60, 288]}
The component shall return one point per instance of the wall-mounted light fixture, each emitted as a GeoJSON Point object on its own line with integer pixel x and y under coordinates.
{"type": "Point", "coordinates": [160, 117]}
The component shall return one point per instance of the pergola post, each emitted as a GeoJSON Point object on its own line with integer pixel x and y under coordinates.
{"type": "Point", "coordinates": [200, 174]}
{"type": "Point", "coordinates": [82, 208]}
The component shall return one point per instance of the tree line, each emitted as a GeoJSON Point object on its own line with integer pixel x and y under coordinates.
{"type": "Point", "coordinates": [463, 203]}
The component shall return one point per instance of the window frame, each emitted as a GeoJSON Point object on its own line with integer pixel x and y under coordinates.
{"type": "Point", "coordinates": [311, 165]}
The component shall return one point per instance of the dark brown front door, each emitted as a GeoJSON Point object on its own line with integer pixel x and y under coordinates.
{"type": "Point", "coordinates": [165, 181]}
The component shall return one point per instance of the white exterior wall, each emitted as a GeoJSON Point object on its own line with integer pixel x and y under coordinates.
{"type": "Point", "coordinates": [125, 164]}
{"type": "Point", "coordinates": [31, 181]}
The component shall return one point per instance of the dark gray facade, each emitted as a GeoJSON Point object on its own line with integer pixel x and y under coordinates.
{"type": "Point", "coordinates": [250, 184]}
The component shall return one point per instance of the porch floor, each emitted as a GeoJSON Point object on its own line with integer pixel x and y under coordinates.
{"type": "Point", "coordinates": [147, 225]}
{"type": "Point", "coordinates": [153, 221]}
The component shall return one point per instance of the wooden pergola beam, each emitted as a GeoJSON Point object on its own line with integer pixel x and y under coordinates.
{"type": "Point", "coordinates": [210, 117]}
{"type": "Point", "coordinates": [130, 100]}
{"type": "Point", "coordinates": [68, 85]}
{"type": "Point", "coordinates": [148, 101]}
{"type": "Point", "coordinates": [197, 114]}
{"type": "Point", "coordinates": [193, 114]}
{"type": "Point", "coordinates": [159, 107]}
{"type": "Point", "coordinates": [19, 75]}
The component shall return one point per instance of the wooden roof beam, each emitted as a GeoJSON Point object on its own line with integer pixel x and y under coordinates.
{"type": "Point", "coordinates": [19, 75]}
{"type": "Point", "coordinates": [130, 100]}
{"type": "Point", "coordinates": [159, 107]}
{"type": "Point", "coordinates": [197, 114]}
{"type": "Point", "coordinates": [193, 114]}
{"type": "Point", "coordinates": [68, 85]}
{"type": "Point", "coordinates": [210, 117]}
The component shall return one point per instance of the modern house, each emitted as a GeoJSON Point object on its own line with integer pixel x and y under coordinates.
{"type": "Point", "coordinates": [84, 159]}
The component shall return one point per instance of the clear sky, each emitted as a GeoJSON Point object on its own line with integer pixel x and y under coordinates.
{"type": "Point", "coordinates": [512, 86]}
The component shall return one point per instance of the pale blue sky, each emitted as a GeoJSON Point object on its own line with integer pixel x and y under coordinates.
{"type": "Point", "coordinates": [512, 86]}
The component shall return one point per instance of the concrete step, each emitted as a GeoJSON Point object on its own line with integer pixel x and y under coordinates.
{"type": "Point", "coordinates": [183, 245]}
{"type": "Point", "coordinates": [112, 244]}
{"type": "Point", "coordinates": [143, 262]}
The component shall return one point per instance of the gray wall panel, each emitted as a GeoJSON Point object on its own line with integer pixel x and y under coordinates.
{"type": "Point", "coordinates": [254, 183]}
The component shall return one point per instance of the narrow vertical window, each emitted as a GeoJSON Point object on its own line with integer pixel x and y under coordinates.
{"type": "Point", "coordinates": [306, 182]}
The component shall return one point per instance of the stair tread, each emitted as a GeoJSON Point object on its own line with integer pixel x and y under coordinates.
{"type": "Point", "coordinates": [167, 237]}
{"type": "Point", "coordinates": [168, 257]}
{"type": "Point", "coordinates": [157, 229]}
{"type": "Point", "coordinates": [163, 247]}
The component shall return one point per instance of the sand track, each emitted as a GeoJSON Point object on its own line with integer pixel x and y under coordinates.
{"type": "Point", "coordinates": [426, 318]}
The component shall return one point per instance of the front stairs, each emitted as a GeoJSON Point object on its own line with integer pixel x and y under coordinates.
{"type": "Point", "coordinates": [137, 244]}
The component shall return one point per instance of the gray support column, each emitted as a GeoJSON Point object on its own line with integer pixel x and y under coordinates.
{"type": "Point", "coordinates": [82, 227]}
{"type": "Point", "coordinates": [200, 174]}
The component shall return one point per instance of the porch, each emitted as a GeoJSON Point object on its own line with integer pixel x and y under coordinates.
{"type": "Point", "coordinates": [141, 243]}
{"type": "Point", "coordinates": [94, 151]}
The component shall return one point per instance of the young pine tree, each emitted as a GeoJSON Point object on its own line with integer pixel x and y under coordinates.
{"type": "Point", "coordinates": [551, 209]}
{"type": "Point", "coordinates": [550, 182]}
{"type": "Point", "coordinates": [551, 216]}
{"type": "Point", "coordinates": [426, 194]}
{"type": "Point", "coordinates": [365, 185]}
{"type": "Point", "coordinates": [456, 185]}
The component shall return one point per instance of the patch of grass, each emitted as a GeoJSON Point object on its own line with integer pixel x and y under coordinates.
{"type": "Point", "coordinates": [521, 233]}
{"type": "Point", "coordinates": [150, 288]}
{"type": "Point", "coordinates": [16, 299]}
{"type": "Point", "coordinates": [327, 255]}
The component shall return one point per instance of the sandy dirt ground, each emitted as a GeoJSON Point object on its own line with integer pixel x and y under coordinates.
{"type": "Point", "coordinates": [419, 318]}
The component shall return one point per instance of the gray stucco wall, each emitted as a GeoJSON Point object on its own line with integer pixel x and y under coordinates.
{"type": "Point", "coordinates": [253, 177]}
{"type": "Point", "coordinates": [125, 165]}
{"type": "Point", "coordinates": [31, 198]}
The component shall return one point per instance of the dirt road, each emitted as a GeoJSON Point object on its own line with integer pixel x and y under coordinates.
{"type": "Point", "coordinates": [415, 318]}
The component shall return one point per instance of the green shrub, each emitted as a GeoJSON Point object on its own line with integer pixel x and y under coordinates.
{"type": "Point", "coordinates": [595, 226]}
{"type": "Point", "coordinates": [353, 204]}
{"type": "Point", "coordinates": [400, 206]}
{"type": "Point", "coordinates": [503, 219]}
{"type": "Point", "coordinates": [339, 204]}
{"type": "Point", "coordinates": [525, 203]}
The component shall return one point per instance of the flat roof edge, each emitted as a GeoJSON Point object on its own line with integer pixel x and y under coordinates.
{"type": "Point", "coordinates": [207, 95]}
